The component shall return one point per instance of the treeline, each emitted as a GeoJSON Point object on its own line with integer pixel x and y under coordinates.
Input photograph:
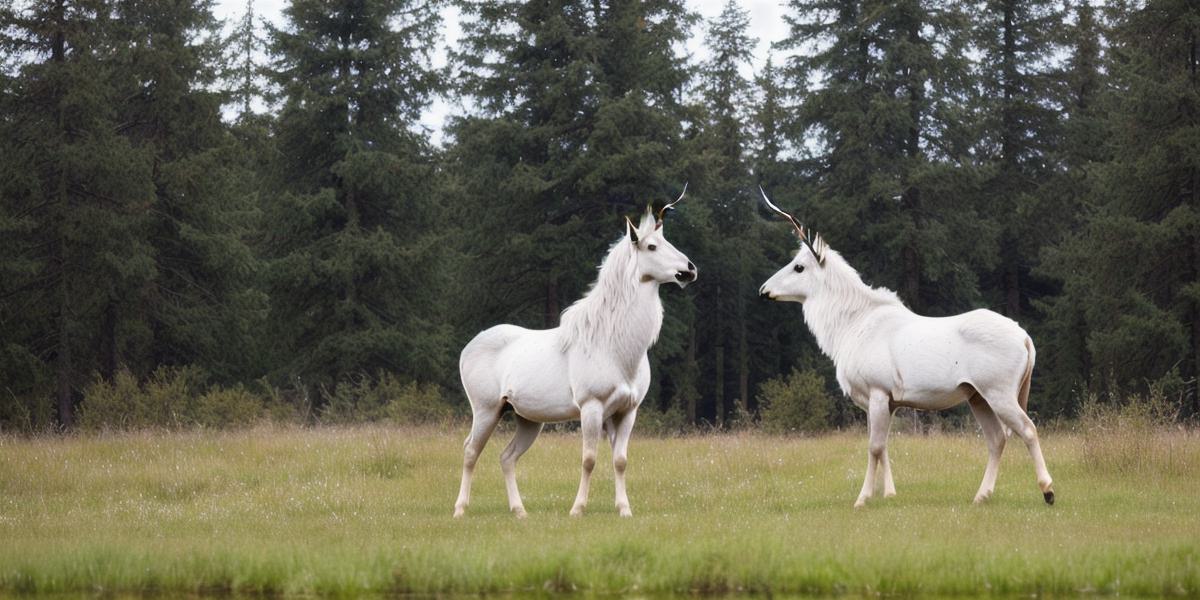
{"type": "Point", "coordinates": [1035, 157]}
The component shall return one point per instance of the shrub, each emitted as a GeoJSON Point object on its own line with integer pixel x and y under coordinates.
{"type": "Point", "coordinates": [385, 399]}
{"type": "Point", "coordinates": [652, 421]}
{"type": "Point", "coordinates": [229, 407]}
{"type": "Point", "coordinates": [118, 404]}
{"type": "Point", "coordinates": [170, 398]}
{"type": "Point", "coordinates": [796, 403]}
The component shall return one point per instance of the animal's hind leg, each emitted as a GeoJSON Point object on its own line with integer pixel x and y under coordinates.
{"type": "Point", "coordinates": [879, 420]}
{"type": "Point", "coordinates": [889, 485]}
{"type": "Point", "coordinates": [620, 444]}
{"type": "Point", "coordinates": [1006, 408]}
{"type": "Point", "coordinates": [591, 422]}
{"type": "Point", "coordinates": [527, 432]}
{"type": "Point", "coordinates": [483, 422]}
{"type": "Point", "coordinates": [993, 434]}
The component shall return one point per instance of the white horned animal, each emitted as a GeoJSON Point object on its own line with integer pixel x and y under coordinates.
{"type": "Point", "coordinates": [591, 368]}
{"type": "Point", "coordinates": [887, 357]}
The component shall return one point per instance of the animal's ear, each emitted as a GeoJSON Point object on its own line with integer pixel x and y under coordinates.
{"type": "Point", "coordinates": [633, 234]}
{"type": "Point", "coordinates": [648, 225]}
{"type": "Point", "coordinates": [819, 248]}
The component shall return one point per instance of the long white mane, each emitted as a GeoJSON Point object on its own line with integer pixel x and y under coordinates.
{"type": "Point", "coordinates": [835, 315]}
{"type": "Point", "coordinates": [613, 315]}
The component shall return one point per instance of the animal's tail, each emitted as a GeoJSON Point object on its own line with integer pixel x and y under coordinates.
{"type": "Point", "coordinates": [1023, 396]}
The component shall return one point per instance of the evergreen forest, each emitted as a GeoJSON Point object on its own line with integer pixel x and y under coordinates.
{"type": "Point", "coordinates": [212, 222]}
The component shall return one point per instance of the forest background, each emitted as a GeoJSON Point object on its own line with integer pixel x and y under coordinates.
{"type": "Point", "coordinates": [211, 223]}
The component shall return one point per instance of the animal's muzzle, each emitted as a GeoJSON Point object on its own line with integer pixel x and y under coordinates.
{"type": "Point", "coordinates": [687, 276]}
{"type": "Point", "coordinates": [763, 293]}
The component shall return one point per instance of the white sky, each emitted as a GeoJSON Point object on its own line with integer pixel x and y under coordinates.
{"type": "Point", "coordinates": [766, 24]}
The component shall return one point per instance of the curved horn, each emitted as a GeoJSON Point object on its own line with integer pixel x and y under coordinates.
{"type": "Point", "coordinates": [786, 215]}
{"type": "Point", "coordinates": [800, 233]}
{"type": "Point", "coordinates": [662, 212]}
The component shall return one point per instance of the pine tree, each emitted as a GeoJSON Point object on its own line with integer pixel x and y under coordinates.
{"type": "Point", "coordinates": [243, 71]}
{"type": "Point", "coordinates": [1062, 334]}
{"type": "Point", "coordinates": [579, 125]}
{"type": "Point", "coordinates": [353, 243]}
{"type": "Point", "coordinates": [199, 309]}
{"type": "Point", "coordinates": [1135, 264]}
{"type": "Point", "coordinates": [730, 251]}
{"type": "Point", "coordinates": [1019, 137]}
{"type": "Point", "coordinates": [879, 86]}
{"type": "Point", "coordinates": [76, 194]}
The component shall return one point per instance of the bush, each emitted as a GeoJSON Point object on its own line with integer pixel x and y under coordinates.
{"type": "Point", "coordinates": [172, 398]}
{"type": "Point", "coordinates": [652, 421]}
{"type": "Point", "coordinates": [164, 400]}
{"type": "Point", "coordinates": [231, 407]}
{"type": "Point", "coordinates": [797, 403]}
{"type": "Point", "coordinates": [385, 399]}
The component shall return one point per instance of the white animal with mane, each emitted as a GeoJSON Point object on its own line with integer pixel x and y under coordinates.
{"type": "Point", "coordinates": [591, 368]}
{"type": "Point", "coordinates": [887, 357]}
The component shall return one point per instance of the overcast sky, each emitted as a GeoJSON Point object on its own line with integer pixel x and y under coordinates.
{"type": "Point", "coordinates": [766, 24]}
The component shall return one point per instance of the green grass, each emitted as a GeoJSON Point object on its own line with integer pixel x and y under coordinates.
{"type": "Point", "coordinates": [346, 511]}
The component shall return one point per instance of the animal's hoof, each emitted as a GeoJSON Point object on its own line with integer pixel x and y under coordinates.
{"type": "Point", "coordinates": [981, 498]}
{"type": "Point", "coordinates": [519, 513]}
{"type": "Point", "coordinates": [860, 503]}
{"type": "Point", "coordinates": [889, 494]}
{"type": "Point", "coordinates": [459, 512]}
{"type": "Point", "coordinates": [577, 511]}
{"type": "Point", "coordinates": [625, 511]}
{"type": "Point", "coordinates": [1049, 496]}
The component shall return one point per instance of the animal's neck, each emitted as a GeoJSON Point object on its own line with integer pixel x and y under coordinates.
{"type": "Point", "coordinates": [837, 314]}
{"type": "Point", "coordinates": [620, 317]}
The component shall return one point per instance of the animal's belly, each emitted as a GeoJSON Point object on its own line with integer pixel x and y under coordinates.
{"type": "Point", "coordinates": [545, 411]}
{"type": "Point", "coordinates": [535, 381]}
{"type": "Point", "coordinates": [932, 398]}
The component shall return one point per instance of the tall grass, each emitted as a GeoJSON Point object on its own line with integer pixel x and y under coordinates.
{"type": "Point", "coordinates": [1137, 435]}
{"type": "Point", "coordinates": [343, 511]}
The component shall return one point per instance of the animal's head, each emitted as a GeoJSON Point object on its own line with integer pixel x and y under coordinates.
{"type": "Point", "coordinates": [656, 258]}
{"type": "Point", "coordinates": [797, 281]}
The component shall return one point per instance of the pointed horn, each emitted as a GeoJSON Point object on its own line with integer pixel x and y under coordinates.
{"type": "Point", "coordinates": [785, 214]}
{"type": "Point", "coordinates": [663, 211]}
{"type": "Point", "coordinates": [800, 233]}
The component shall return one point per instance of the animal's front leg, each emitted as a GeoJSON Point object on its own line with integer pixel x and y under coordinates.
{"type": "Point", "coordinates": [591, 423]}
{"type": "Point", "coordinates": [879, 420]}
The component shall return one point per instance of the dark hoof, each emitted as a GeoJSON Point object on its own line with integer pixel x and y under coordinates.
{"type": "Point", "coordinates": [1049, 496]}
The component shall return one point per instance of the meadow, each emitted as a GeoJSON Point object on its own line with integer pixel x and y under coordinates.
{"type": "Point", "coordinates": [343, 511]}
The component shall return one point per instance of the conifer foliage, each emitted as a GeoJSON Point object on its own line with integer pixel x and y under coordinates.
{"type": "Point", "coordinates": [191, 204]}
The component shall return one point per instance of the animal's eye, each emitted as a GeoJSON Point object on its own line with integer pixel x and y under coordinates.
{"type": "Point", "coordinates": [652, 247]}
{"type": "Point", "coordinates": [798, 268]}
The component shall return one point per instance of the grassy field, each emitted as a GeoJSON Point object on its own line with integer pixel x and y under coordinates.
{"type": "Point", "coordinates": [346, 511]}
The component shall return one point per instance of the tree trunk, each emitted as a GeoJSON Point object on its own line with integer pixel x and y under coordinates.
{"type": "Point", "coordinates": [912, 195]}
{"type": "Point", "coordinates": [108, 342]}
{"type": "Point", "coordinates": [1012, 278]}
{"type": "Point", "coordinates": [550, 318]}
{"type": "Point", "coordinates": [719, 363]}
{"type": "Point", "coordinates": [691, 362]}
{"type": "Point", "coordinates": [1008, 71]}
{"type": "Point", "coordinates": [743, 354]}
{"type": "Point", "coordinates": [63, 364]}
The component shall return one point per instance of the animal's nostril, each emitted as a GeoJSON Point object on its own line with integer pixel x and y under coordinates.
{"type": "Point", "coordinates": [685, 276]}
{"type": "Point", "coordinates": [764, 294]}
{"type": "Point", "coordinates": [691, 267]}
